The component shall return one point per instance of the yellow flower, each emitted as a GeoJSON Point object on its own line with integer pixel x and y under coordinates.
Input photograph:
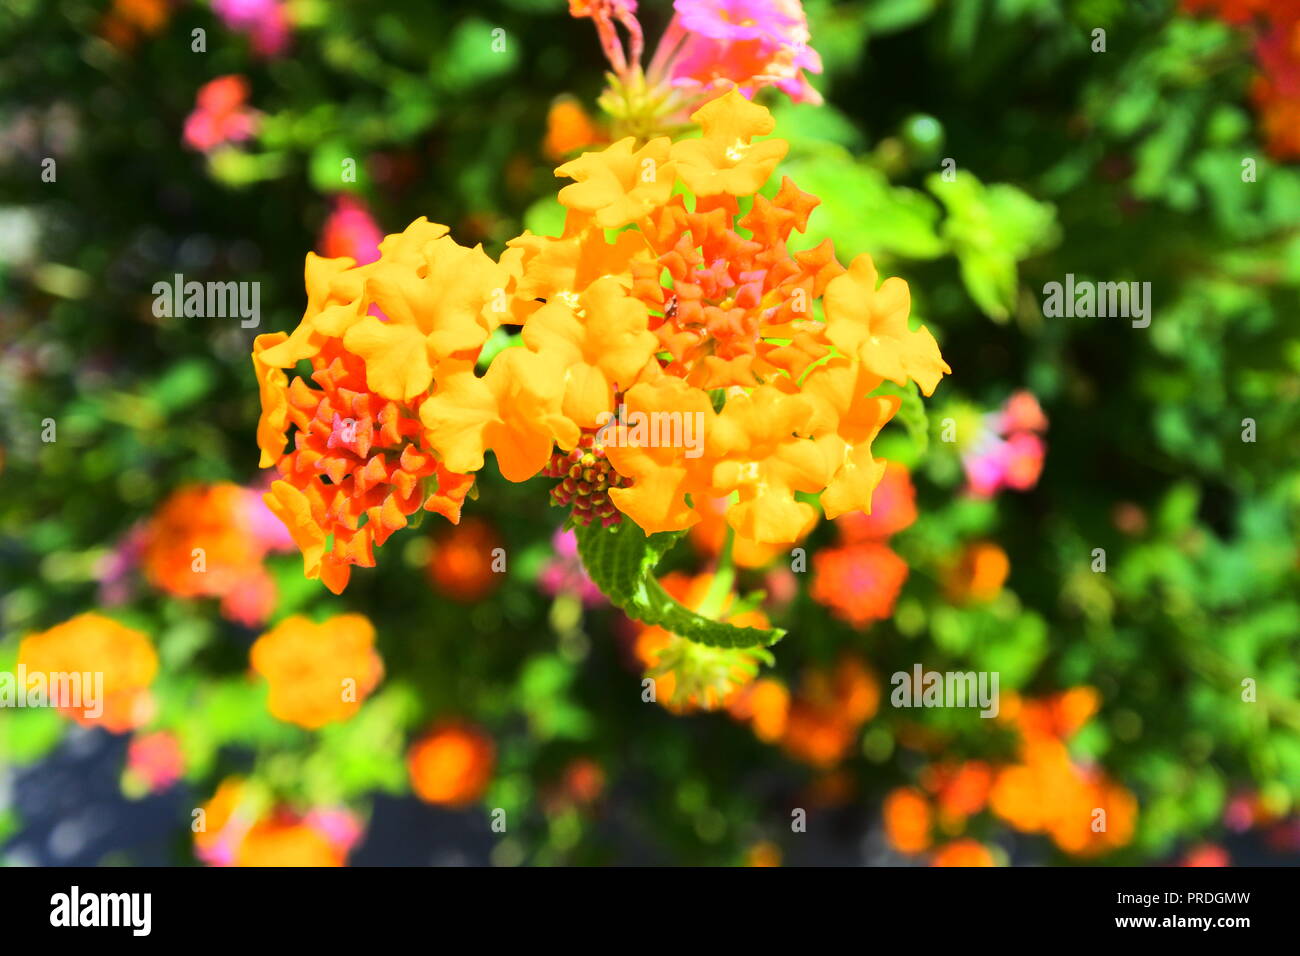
{"type": "Point", "coordinates": [724, 160]}
{"type": "Point", "coordinates": [871, 324]}
{"type": "Point", "coordinates": [620, 184]}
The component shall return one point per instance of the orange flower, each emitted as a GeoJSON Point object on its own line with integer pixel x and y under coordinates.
{"type": "Point", "coordinates": [210, 541]}
{"type": "Point", "coordinates": [1056, 716]}
{"type": "Point", "coordinates": [584, 780]}
{"type": "Point", "coordinates": [765, 704]}
{"type": "Point", "coordinates": [731, 312]}
{"type": "Point", "coordinates": [91, 644]}
{"type": "Point", "coordinates": [979, 575]}
{"type": "Point", "coordinates": [858, 582]}
{"type": "Point", "coordinates": [709, 535]}
{"type": "Point", "coordinates": [463, 556]}
{"type": "Point", "coordinates": [763, 854]}
{"type": "Point", "coordinates": [451, 765]}
{"type": "Point", "coordinates": [383, 339]}
{"type": "Point", "coordinates": [287, 843]}
{"type": "Point", "coordinates": [907, 820]}
{"type": "Point", "coordinates": [892, 508]}
{"type": "Point", "coordinates": [964, 852]}
{"type": "Point", "coordinates": [568, 128]}
{"type": "Point", "coordinates": [319, 673]}
{"type": "Point", "coordinates": [693, 313]}
{"type": "Point", "coordinates": [1084, 812]}
{"type": "Point", "coordinates": [960, 791]}
{"type": "Point", "coordinates": [828, 712]}
{"type": "Point", "coordinates": [129, 20]}
{"type": "Point", "coordinates": [224, 821]}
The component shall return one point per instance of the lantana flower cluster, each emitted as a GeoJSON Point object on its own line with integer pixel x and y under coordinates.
{"type": "Point", "coordinates": [663, 300]}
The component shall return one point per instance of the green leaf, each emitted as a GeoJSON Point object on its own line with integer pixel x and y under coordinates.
{"type": "Point", "coordinates": [991, 228]}
{"type": "Point", "coordinates": [862, 212]}
{"type": "Point", "coordinates": [621, 561]}
{"type": "Point", "coordinates": [911, 413]}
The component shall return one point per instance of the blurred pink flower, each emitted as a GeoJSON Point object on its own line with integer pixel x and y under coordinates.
{"type": "Point", "coordinates": [116, 568]}
{"type": "Point", "coordinates": [351, 231]}
{"type": "Point", "coordinates": [220, 115]}
{"type": "Point", "coordinates": [564, 574]}
{"type": "Point", "coordinates": [268, 530]}
{"type": "Point", "coordinates": [1007, 453]}
{"type": "Point", "coordinates": [155, 759]}
{"type": "Point", "coordinates": [339, 826]}
{"type": "Point", "coordinates": [264, 21]}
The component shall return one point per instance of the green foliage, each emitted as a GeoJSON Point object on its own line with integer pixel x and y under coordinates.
{"type": "Point", "coordinates": [622, 561]}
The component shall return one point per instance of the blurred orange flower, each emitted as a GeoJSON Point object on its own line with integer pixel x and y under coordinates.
{"type": "Point", "coordinates": [568, 129]}
{"type": "Point", "coordinates": [223, 821]}
{"type": "Point", "coordinates": [959, 790]}
{"type": "Point", "coordinates": [1079, 807]}
{"type": "Point", "coordinates": [859, 583]}
{"type": "Point", "coordinates": [130, 20]}
{"type": "Point", "coordinates": [907, 817]}
{"type": "Point", "coordinates": [451, 765]}
{"type": "Point", "coordinates": [95, 645]}
{"type": "Point", "coordinates": [318, 673]}
{"type": "Point", "coordinates": [763, 854]}
{"type": "Point", "coordinates": [829, 710]}
{"type": "Point", "coordinates": [210, 541]}
{"type": "Point", "coordinates": [462, 561]}
{"type": "Point", "coordinates": [978, 575]}
{"type": "Point", "coordinates": [287, 843]}
{"type": "Point", "coordinates": [964, 852]}
{"type": "Point", "coordinates": [765, 704]}
{"type": "Point", "coordinates": [893, 508]}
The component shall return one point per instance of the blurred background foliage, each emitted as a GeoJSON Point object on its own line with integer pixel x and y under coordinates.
{"type": "Point", "coordinates": [1122, 165]}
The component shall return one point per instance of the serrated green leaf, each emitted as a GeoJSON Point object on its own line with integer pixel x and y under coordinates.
{"type": "Point", "coordinates": [621, 561]}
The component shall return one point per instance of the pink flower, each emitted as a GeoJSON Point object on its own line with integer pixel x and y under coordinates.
{"type": "Point", "coordinates": [737, 19]}
{"type": "Point", "coordinates": [1007, 453]}
{"type": "Point", "coordinates": [564, 574]}
{"type": "Point", "coordinates": [709, 47]}
{"type": "Point", "coordinates": [268, 531]}
{"type": "Point", "coordinates": [115, 569]}
{"type": "Point", "coordinates": [1022, 413]}
{"type": "Point", "coordinates": [220, 115]}
{"type": "Point", "coordinates": [264, 21]}
{"type": "Point", "coordinates": [155, 759]}
{"type": "Point", "coordinates": [712, 45]}
{"type": "Point", "coordinates": [339, 826]}
{"type": "Point", "coordinates": [351, 231]}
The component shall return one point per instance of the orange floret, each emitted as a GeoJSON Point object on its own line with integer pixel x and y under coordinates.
{"type": "Point", "coordinates": [451, 765]}
{"type": "Point", "coordinates": [318, 673]}
{"type": "Point", "coordinates": [104, 656]}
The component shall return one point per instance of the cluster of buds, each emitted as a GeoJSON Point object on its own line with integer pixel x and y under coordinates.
{"type": "Point", "coordinates": [587, 476]}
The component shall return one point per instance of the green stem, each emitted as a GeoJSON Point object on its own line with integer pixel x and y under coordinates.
{"type": "Point", "coordinates": [724, 575]}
